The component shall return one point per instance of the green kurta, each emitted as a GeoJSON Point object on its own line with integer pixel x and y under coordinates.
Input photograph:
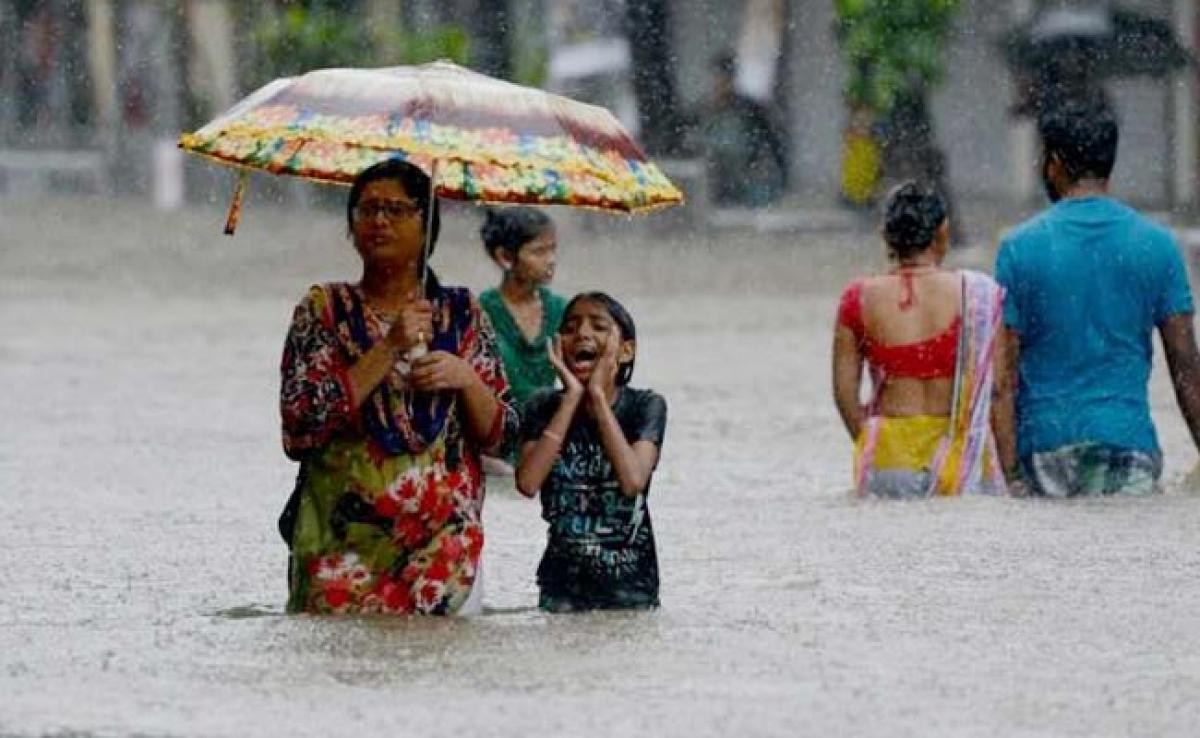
{"type": "Point", "coordinates": [525, 363]}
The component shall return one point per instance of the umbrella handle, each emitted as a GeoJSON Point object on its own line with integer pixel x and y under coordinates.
{"type": "Point", "coordinates": [235, 203]}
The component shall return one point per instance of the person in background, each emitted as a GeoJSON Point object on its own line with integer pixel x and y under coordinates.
{"type": "Point", "coordinates": [1089, 280]}
{"type": "Point", "coordinates": [747, 155]}
{"type": "Point", "coordinates": [927, 336]}
{"type": "Point", "coordinates": [523, 310]}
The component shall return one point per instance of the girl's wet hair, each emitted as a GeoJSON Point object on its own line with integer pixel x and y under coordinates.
{"type": "Point", "coordinates": [912, 214]}
{"type": "Point", "coordinates": [415, 183]}
{"type": "Point", "coordinates": [511, 228]}
{"type": "Point", "coordinates": [620, 316]}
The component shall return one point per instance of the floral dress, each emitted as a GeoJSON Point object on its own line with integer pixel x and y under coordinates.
{"type": "Point", "coordinates": [389, 496]}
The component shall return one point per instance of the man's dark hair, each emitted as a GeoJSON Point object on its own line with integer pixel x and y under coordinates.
{"type": "Point", "coordinates": [415, 183]}
{"type": "Point", "coordinates": [1082, 136]}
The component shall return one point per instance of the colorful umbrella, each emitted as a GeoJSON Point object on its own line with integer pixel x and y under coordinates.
{"type": "Point", "coordinates": [480, 138]}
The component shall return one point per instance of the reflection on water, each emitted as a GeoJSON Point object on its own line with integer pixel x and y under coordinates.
{"type": "Point", "coordinates": [142, 577]}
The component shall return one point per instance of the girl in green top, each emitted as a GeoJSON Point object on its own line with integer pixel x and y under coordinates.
{"type": "Point", "coordinates": [523, 311]}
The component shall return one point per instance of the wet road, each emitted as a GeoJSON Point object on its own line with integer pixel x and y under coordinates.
{"type": "Point", "coordinates": [142, 579]}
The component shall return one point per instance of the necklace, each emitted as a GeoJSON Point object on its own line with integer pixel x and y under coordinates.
{"type": "Point", "coordinates": [906, 272]}
{"type": "Point", "coordinates": [387, 317]}
{"type": "Point", "coordinates": [378, 312]}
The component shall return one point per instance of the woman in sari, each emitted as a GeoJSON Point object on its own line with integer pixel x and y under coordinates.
{"type": "Point", "coordinates": [386, 516]}
{"type": "Point", "coordinates": [927, 336]}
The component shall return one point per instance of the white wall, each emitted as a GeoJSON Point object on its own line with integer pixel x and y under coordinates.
{"type": "Point", "coordinates": [971, 115]}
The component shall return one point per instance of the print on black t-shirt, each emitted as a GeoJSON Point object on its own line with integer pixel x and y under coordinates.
{"type": "Point", "coordinates": [600, 549]}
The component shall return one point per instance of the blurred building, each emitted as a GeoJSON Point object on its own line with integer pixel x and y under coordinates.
{"type": "Point", "coordinates": [90, 86]}
{"type": "Point", "coordinates": [991, 155]}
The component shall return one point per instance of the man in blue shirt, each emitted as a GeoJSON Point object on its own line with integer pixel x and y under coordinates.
{"type": "Point", "coordinates": [1087, 281]}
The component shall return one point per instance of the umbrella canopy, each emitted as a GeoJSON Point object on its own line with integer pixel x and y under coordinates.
{"type": "Point", "coordinates": [1112, 42]}
{"type": "Point", "coordinates": [483, 139]}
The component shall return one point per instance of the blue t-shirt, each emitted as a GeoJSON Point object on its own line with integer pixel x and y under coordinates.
{"type": "Point", "coordinates": [1087, 281]}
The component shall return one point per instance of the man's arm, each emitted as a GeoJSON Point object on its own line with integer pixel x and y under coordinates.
{"type": "Point", "coordinates": [1183, 360]}
{"type": "Point", "coordinates": [1008, 360]}
{"type": "Point", "coordinates": [1004, 392]}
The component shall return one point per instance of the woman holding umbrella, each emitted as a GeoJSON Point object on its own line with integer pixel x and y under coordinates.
{"type": "Point", "coordinates": [385, 516]}
{"type": "Point", "coordinates": [387, 511]}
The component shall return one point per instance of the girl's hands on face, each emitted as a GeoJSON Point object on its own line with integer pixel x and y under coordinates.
{"type": "Point", "coordinates": [604, 372]}
{"type": "Point", "coordinates": [570, 382]}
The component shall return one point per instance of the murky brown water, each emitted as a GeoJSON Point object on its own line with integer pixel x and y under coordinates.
{"type": "Point", "coordinates": [142, 581]}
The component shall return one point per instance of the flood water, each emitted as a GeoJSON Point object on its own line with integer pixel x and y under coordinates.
{"type": "Point", "coordinates": [142, 579]}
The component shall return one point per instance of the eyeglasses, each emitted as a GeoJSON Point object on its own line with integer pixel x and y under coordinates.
{"type": "Point", "coordinates": [392, 209]}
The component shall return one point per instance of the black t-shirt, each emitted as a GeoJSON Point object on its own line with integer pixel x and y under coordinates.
{"type": "Point", "coordinates": [600, 544]}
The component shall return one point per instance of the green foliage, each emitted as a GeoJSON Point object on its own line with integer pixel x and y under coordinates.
{"type": "Point", "coordinates": [531, 66]}
{"type": "Point", "coordinates": [396, 46]}
{"type": "Point", "coordinates": [302, 39]}
{"type": "Point", "coordinates": [888, 44]}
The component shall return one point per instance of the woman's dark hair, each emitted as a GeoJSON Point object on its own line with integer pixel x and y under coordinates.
{"type": "Point", "coordinates": [415, 183]}
{"type": "Point", "coordinates": [620, 316]}
{"type": "Point", "coordinates": [511, 228]}
{"type": "Point", "coordinates": [912, 214]}
{"type": "Point", "coordinates": [1084, 137]}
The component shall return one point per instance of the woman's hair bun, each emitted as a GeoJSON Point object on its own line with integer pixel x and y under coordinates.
{"type": "Point", "coordinates": [913, 212]}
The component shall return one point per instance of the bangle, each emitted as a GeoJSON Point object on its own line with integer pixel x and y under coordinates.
{"type": "Point", "coordinates": [556, 437]}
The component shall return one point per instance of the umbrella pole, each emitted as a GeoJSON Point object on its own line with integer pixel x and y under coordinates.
{"type": "Point", "coordinates": [421, 349]}
{"type": "Point", "coordinates": [429, 225]}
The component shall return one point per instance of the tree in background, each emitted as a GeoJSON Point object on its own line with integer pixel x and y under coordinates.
{"type": "Point", "coordinates": [315, 34]}
{"type": "Point", "coordinates": [494, 33]}
{"type": "Point", "coordinates": [648, 30]}
{"type": "Point", "coordinates": [45, 93]}
{"type": "Point", "coordinates": [894, 52]}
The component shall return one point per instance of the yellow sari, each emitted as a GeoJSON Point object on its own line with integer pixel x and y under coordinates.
{"type": "Point", "coordinates": [923, 455]}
